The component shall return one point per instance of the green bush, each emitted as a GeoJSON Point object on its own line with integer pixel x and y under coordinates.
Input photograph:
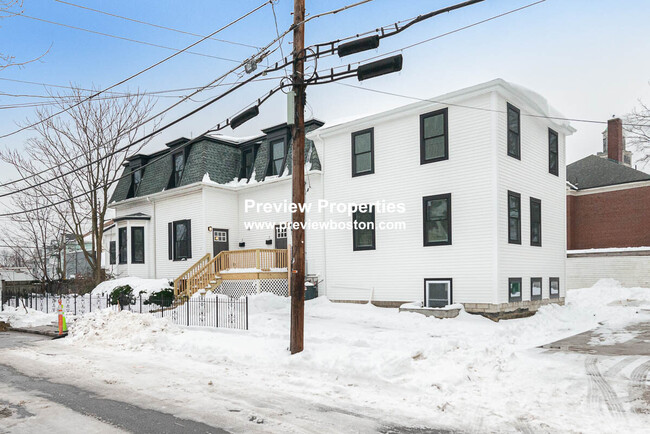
{"type": "Point", "coordinates": [122, 295]}
{"type": "Point", "coordinates": [164, 297]}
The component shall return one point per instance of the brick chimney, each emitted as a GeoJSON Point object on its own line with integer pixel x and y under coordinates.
{"type": "Point", "coordinates": [615, 145]}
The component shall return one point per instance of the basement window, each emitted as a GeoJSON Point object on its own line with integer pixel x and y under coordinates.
{"type": "Point", "coordinates": [536, 288]}
{"type": "Point", "coordinates": [363, 152]}
{"type": "Point", "coordinates": [434, 137]}
{"type": "Point", "coordinates": [554, 287]}
{"type": "Point", "coordinates": [514, 289]}
{"type": "Point", "coordinates": [514, 132]}
{"type": "Point", "coordinates": [514, 218]}
{"type": "Point", "coordinates": [553, 155]}
{"type": "Point", "coordinates": [437, 292]}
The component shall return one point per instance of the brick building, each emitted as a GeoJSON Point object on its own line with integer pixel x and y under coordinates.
{"type": "Point", "coordinates": [608, 217]}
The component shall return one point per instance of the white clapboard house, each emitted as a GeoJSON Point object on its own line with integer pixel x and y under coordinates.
{"type": "Point", "coordinates": [466, 192]}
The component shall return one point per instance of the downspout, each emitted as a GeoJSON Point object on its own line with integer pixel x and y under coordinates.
{"type": "Point", "coordinates": [153, 230]}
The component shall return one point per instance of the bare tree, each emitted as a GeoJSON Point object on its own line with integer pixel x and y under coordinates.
{"type": "Point", "coordinates": [638, 132]}
{"type": "Point", "coordinates": [84, 141]}
{"type": "Point", "coordinates": [34, 236]}
{"type": "Point", "coordinates": [9, 8]}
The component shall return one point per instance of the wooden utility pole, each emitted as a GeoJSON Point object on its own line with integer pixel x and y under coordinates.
{"type": "Point", "coordinates": [298, 180]}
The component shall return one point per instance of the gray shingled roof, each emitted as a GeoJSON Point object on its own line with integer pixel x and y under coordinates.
{"type": "Point", "coordinates": [219, 157]}
{"type": "Point", "coordinates": [593, 171]}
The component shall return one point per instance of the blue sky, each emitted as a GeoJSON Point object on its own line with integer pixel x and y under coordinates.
{"type": "Point", "coordinates": [587, 57]}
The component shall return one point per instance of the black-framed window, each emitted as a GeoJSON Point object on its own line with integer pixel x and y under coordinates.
{"type": "Point", "coordinates": [436, 219]}
{"type": "Point", "coordinates": [180, 240]}
{"type": "Point", "coordinates": [278, 153]}
{"type": "Point", "coordinates": [112, 252]}
{"type": "Point", "coordinates": [553, 153]}
{"type": "Point", "coordinates": [535, 222]}
{"type": "Point", "coordinates": [247, 162]}
{"type": "Point", "coordinates": [137, 245]}
{"type": "Point", "coordinates": [363, 152]}
{"type": "Point", "coordinates": [121, 238]}
{"type": "Point", "coordinates": [363, 229]}
{"type": "Point", "coordinates": [136, 179]}
{"type": "Point", "coordinates": [514, 289]}
{"type": "Point", "coordinates": [535, 288]}
{"type": "Point", "coordinates": [514, 132]}
{"type": "Point", "coordinates": [514, 218]}
{"type": "Point", "coordinates": [554, 287]}
{"type": "Point", "coordinates": [434, 136]}
{"type": "Point", "coordinates": [438, 292]}
{"type": "Point", "coordinates": [178, 166]}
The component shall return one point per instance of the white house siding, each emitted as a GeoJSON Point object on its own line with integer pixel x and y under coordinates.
{"type": "Point", "coordinates": [530, 178]}
{"type": "Point", "coordinates": [631, 271]}
{"type": "Point", "coordinates": [396, 270]}
{"type": "Point", "coordinates": [220, 210]}
{"type": "Point", "coordinates": [279, 192]}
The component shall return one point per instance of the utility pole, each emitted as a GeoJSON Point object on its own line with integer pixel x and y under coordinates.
{"type": "Point", "coordinates": [298, 182]}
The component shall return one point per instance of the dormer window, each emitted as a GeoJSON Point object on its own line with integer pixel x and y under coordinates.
{"type": "Point", "coordinates": [247, 160]}
{"type": "Point", "coordinates": [136, 179]}
{"type": "Point", "coordinates": [178, 162]}
{"type": "Point", "coordinates": [278, 153]}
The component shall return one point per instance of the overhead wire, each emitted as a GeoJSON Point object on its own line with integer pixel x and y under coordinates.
{"type": "Point", "coordinates": [154, 25]}
{"type": "Point", "coordinates": [142, 71]}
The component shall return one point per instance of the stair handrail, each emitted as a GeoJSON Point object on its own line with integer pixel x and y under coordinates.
{"type": "Point", "coordinates": [188, 271]}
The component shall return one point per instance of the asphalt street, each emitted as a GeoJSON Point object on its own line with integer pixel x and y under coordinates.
{"type": "Point", "coordinates": [115, 414]}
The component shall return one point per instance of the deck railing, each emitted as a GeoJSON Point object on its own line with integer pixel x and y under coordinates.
{"type": "Point", "coordinates": [205, 273]}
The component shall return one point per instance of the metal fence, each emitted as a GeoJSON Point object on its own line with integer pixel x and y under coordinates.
{"type": "Point", "coordinates": [201, 311]}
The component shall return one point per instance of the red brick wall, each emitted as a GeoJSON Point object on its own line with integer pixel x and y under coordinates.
{"type": "Point", "coordinates": [613, 219]}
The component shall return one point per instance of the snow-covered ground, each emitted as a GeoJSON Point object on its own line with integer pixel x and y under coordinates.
{"type": "Point", "coordinates": [146, 287]}
{"type": "Point", "coordinates": [26, 317]}
{"type": "Point", "coordinates": [363, 367]}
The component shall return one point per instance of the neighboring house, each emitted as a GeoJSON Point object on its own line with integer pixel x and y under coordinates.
{"type": "Point", "coordinates": [608, 217]}
{"type": "Point", "coordinates": [485, 164]}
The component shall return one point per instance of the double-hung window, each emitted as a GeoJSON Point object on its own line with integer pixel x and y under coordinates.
{"type": "Point", "coordinates": [436, 217]}
{"type": "Point", "coordinates": [535, 222]}
{"type": "Point", "coordinates": [178, 160]}
{"type": "Point", "coordinates": [514, 289]}
{"type": "Point", "coordinates": [535, 288]}
{"type": "Point", "coordinates": [363, 229]}
{"type": "Point", "coordinates": [514, 132]}
{"type": "Point", "coordinates": [247, 159]}
{"type": "Point", "coordinates": [434, 136]}
{"type": "Point", "coordinates": [137, 245]}
{"type": "Point", "coordinates": [554, 287]}
{"type": "Point", "coordinates": [180, 240]}
{"type": "Point", "coordinates": [121, 238]}
{"type": "Point", "coordinates": [514, 218]}
{"type": "Point", "coordinates": [112, 253]}
{"type": "Point", "coordinates": [553, 154]}
{"type": "Point", "coordinates": [363, 152]}
{"type": "Point", "coordinates": [276, 163]}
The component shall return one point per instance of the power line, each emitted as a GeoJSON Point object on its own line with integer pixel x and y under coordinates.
{"type": "Point", "coordinates": [122, 38]}
{"type": "Point", "coordinates": [154, 25]}
{"type": "Point", "coordinates": [559, 118]}
{"type": "Point", "coordinates": [264, 72]}
{"type": "Point", "coordinates": [139, 72]}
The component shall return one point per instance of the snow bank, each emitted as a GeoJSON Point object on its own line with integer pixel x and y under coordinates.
{"type": "Point", "coordinates": [17, 317]}
{"type": "Point", "coordinates": [145, 287]}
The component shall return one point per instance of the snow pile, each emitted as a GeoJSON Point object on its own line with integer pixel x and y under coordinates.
{"type": "Point", "coordinates": [123, 329]}
{"type": "Point", "coordinates": [403, 364]}
{"type": "Point", "coordinates": [17, 317]}
{"type": "Point", "coordinates": [146, 287]}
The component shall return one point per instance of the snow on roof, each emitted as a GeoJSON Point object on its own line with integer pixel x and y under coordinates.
{"type": "Point", "coordinates": [235, 139]}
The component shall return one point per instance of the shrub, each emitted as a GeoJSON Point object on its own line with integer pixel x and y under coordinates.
{"type": "Point", "coordinates": [164, 297]}
{"type": "Point", "coordinates": [122, 295]}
